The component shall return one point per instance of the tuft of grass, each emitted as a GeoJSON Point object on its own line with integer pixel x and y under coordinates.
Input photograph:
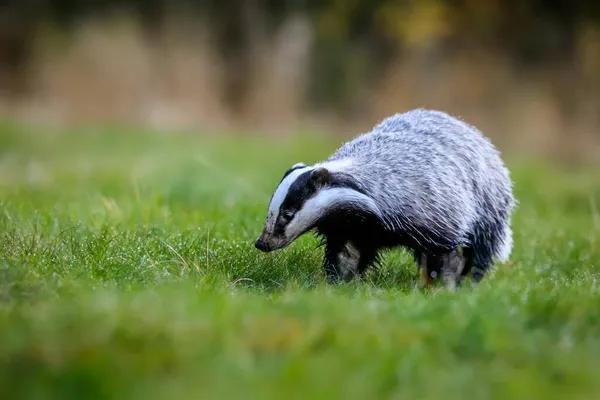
{"type": "Point", "coordinates": [127, 270]}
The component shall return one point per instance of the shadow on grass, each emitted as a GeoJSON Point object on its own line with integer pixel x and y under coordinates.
{"type": "Point", "coordinates": [302, 268]}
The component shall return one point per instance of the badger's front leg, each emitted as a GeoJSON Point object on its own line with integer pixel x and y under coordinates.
{"type": "Point", "coordinates": [342, 259]}
{"type": "Point", "coordinates": [345, 260]}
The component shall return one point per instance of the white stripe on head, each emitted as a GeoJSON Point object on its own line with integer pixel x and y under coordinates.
{"type": "Point", "coordinates": [335, 165]}
{"type": "Point", "coordinates": [325, 201]}
{"type": "Point", "coordinates": [282, 190]}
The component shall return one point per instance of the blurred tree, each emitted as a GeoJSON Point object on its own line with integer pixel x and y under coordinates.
{"type": "Point", "coordinates": [354, 38]}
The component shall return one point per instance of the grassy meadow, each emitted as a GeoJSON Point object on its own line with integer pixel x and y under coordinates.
{"type": "Point", "coordinates": [127, 270]}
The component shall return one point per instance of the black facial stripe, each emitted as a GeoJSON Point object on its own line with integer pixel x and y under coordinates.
{"type": "Point", "coordinates": [287, 214]}
{"type": "Point", "coordinates": [299, 192]}
{"type": "Point", "coordinates": [341, 180]}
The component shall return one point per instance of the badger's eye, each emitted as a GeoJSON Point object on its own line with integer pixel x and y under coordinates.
{"type": "Point", "coordinates": [287, 215]}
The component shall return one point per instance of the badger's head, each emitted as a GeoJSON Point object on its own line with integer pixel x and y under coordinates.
{"type": "Point", "coordinates": [304, 196]}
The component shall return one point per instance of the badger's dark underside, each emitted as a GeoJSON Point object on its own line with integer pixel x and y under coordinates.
{"type": "Point", "coordinates": [354, 240]}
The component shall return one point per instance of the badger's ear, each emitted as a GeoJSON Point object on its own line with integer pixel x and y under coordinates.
{"type": "Point", "coordinates": [320, 177]}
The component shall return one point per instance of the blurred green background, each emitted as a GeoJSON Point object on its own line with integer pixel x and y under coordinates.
{"type": "Point", "coordinates": [526, 72]}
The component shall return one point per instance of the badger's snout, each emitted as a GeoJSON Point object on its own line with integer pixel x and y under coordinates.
{"type": "Point", "coordinates": [262, 246]}
{"type": "Point", "coordinates": [268, 242]}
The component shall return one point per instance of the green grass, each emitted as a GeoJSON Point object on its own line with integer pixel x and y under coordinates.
{"type": "Point", "coordinates": [127, 270]}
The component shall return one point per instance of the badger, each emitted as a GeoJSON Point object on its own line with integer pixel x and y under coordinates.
{"type": "Point", "coordinates": [422, 180]}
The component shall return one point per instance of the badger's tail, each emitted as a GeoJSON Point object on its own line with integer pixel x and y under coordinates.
{"type": "Point", "coordinates": [503, 241]}
{"type": "Point", "coordinates": [503, 245]}
{"type": "Point", "coordinates": [492, 239]}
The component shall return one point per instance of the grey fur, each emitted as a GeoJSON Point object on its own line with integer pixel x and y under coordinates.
{"type": "Point", "coordinates": [440, 181]}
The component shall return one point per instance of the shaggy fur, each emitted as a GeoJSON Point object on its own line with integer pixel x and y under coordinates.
{"type": "Point", "coordinates": [422, 180]}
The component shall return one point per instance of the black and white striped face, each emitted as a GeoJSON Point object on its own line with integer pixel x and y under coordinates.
{"type": "Point", "coordinates": [303, 197]}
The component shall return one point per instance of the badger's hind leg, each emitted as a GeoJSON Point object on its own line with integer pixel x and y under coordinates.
{"type": "Point", "coordinates": [478, 262]}
{"type": "Point", "coordinates": [428, 267]}
{"type": "Point", "coordinates": [452, 267]}
{"type": "Point", "coordinates": [447, 267]}
{"type": "Point", "coordinates": [492, 239]}
{"type": "Point", "coordinates": [480, 255]}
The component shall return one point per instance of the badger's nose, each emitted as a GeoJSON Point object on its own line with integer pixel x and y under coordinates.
{"type": "Point", "coordinates": [262, 246]}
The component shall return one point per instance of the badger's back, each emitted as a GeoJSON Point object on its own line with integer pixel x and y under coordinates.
{"type": "Point", "coordinates": [429, 171]}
